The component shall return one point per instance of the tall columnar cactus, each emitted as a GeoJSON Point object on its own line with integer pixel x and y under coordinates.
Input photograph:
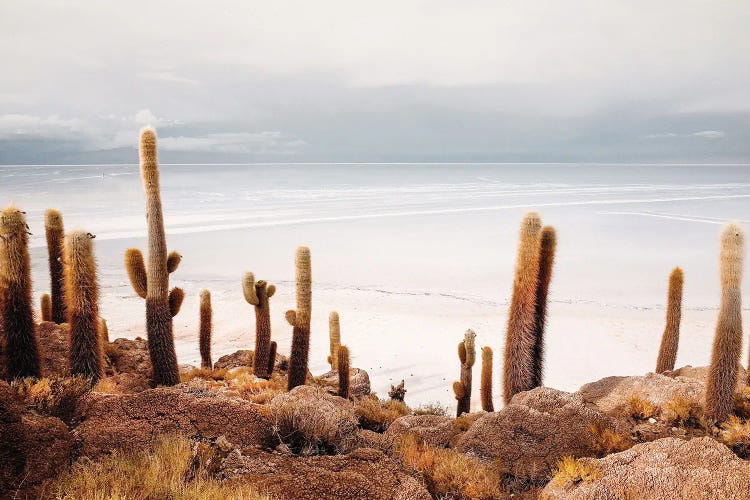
{"type": "Point", "coordinates": [16, 310]}
{"type": "Point", "coordinates": [204, 337]}
{"type": "Point", "coordinates": [547, 245]}
{"type": "Point", "coordinates": [462, 389]}
{"type": "Point", "coordinates": [152, 284]}
{"type": "Point", "coordinates": [300, 320]}
{"type": "Point", "coordinates": [45, 305]}
{"type": "Point", "coordinates": [257, 294]}
{"type": "Point", "coordinates": [727, 348]}
{"type": "Point", "coordinates": [343, 368]}
{"type": "Point", "coordinates": [671, 337]}
{"type": "Point", "coordinates": [54, 229]}
{"type": "Point", "coordinates": [520, 338]}
{"type": "Point", "coordinates": [272, 358]}
{"type": "Point", "coordinates": [82, 297]}
{"type": "Point", "coordinates": [334, 334]}
{"type": "Point", "coordinates": [485, 390]}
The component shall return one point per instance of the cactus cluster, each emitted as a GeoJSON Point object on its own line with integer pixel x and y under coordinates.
{"type": "Point", "coordinates": [462, 388]}
{"type": "Point", "coordinates": [300, 320]}
{"type": "Point", "coordinates": [257, 294]}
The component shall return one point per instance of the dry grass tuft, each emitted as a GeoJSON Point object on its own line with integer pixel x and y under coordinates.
{"type": "Point", "coordinates": [735, 433]}
{"type": "Point", "coordinates": [681, 411]}
{"type": "Point", "coordinates": [431, 409]}
{"type": "Point", "coordinates": [170, 472]}
{"type": "Point", "coordinates": [52, 396]}
{"type": "Point", "coordinates": [449, 474]}
{"type": "Point", "coordinates": [377, 415]}
{"type": "Point", "coordinates": [255, 389]}
{"type": "Point", "coordinates": [607, 440]}
{"type": "Point", "coordinates": [204, 373]}
{"type": "Point", "coordinates": [571, 471]}
{"type": "Point", "coordinates": [640, 409]}
{"type": "Point", "coordinates": [742, 403]}
{"type": "Point", "coordinates": [463, 422]}
{"type": "Point", "coordinates": [105, 385]}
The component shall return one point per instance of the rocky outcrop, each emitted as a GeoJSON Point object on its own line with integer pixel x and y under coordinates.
{"type": "Point", "coordinates": [666, 468]}
{"type": "Point", "coordinates": [130, 356]}
{"type": "Point", "coordinates": [131, 421]}
{"type": "Point", "coordinates": [700, 373]}
{"type": "Point", "coordinates": [359, 382]}
{"type": "Point", "coordinates": [244, 358]}
{"type": "Point", "coordinates": [363, 473]}
{"type": "Point", "coordinates": [54, 348]}
{"type": "Point", "coordinates": [435, 430]}
{"type": "Point", "coordinates": [529, 435]}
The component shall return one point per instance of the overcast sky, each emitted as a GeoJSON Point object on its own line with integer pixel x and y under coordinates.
{"type": "Point", "coordinates": [283, 81]}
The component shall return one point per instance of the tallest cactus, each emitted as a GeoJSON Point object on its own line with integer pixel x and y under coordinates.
{"type": "Point", "coordinates": [153, 284]}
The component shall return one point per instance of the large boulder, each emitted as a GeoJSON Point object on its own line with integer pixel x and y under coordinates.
{"type": "Point", "coordinates": [700, 373]}
{"type": "Point", "coordinates": [665, 468]}
{"type": "Point", "coordinates": [245, 357]}
{"type": "Point", "coordinates": [359, 381]}
{"type": "Point", "coordinates": [612, 394]}
{"type": "Point", "coordinates": [130, 356]}
{"type": "Point", "coordinates": [131, 421]}
{"type": "Point", "coordinates": [436, 430]}
{"type": "Point", "coordinates": [529, 435]}
{"type": "Point", "coordinates": [363, 473]}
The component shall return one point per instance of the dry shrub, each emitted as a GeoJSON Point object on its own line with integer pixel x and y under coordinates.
{"type": "Point", "coordinates": [431, 409]}
{"type": "Point", "coordinates": [55, 396]}
{"type": "Point", "coordinates": [681, 410]}
{"type": "Point", "coordinates": [640, 409]}
{"type": "Point", "coordinates": [256, 389]}
{"type": "Point", "coordinates": [572, 471]}
{"type": "Point", "coordinates": [204, 373]}
{"type": "Point", "coordinates": [463, 422]}
{"type": "Point", "coordinates": [735, 433]}
{"type": "Point", "coordinates": [377, 415]}
{"type": "Point", "coordinates": [447, 473]}
{"type": "Point", "coordinates": [106, 385]}
{"type": "Point", "coordinates": [607, 440]}
{"type": "Point", "coordinates": [742, 403]}
{"type": "Point", "coordinates": [313, 422]}
{"type": "Point", "coordinates": [170, 472]}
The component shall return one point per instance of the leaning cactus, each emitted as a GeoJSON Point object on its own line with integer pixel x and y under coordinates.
{"type": "Point", "coordinates": [343, 369]}
{"type": "Point", "coordinates": [257, 294]}
{"type": "Point", "coordinates": [152, 283]}
{"type": "Point", "coordinates": [82, 295]}
{"type": "Point", "coordinates": [462, 389]}
{"type": "Point", "coordinates": [45, 304]}
{"type": "Point", "coordinates": [300, 320]}
{"type": "Point", "coordinates": [204, 337]}
{"type": "Point", "coordinates": [727, 348]}
{"type": "Point", "coordinates": [16, 311]}
{"type": "Point", "coordinates": [334, 334]}
{"type": "Point", "coordinates": [54, 229]}
{"type": "Point", "coordinates": [671, 336]}
{"type": "Point", "coordinates": [485, 390]}
{"type": "Point", "coordinates": [547, 244]}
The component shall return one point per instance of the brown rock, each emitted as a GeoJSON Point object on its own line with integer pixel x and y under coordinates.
{"type": "Point", "coordinates": [130, 356]}
{"type": "Point", "coordinates": [700, 373]}
{"type": "Point", "coordinates": [244, 358]}
{"type": "Point", "coordinates": [666, 468]}
{"type": "Point", "coordinates": [54, 348]}
{"type": "Point", "coordinates": [435, 430]}
{"type": "Point", "coordinates": [131, 421]}
{"type": "Point", "coordinates": [359, 381]}
{"type": "Point", "coordinates": [363, 473]}
{"type": "Point", "coordinates": [123, 383]}
{"type": "Point", "coordinates": [529, 436]}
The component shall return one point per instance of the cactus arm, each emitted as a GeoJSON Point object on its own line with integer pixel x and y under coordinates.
{"type": "Point", "coordinates": [271, 290]}
{"type": "Point", "coordinates": [291, 317]}
{"type": "Point", "coordinates": [458, 390]}
{"type": "Point", "coordinates": [176, 296]}
{"type": "Point", "coordinates": [173, 262]}
{"type": "Point", "coordinates": [136, 271]}
{"type": "Point", "coordinates": [248, 289]}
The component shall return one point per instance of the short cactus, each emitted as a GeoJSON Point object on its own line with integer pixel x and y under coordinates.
{"type": "Point", "coordinates": [54, 229]}
{"type": "Point", "coordinates": [45, 306]}
{"type": "Point", "coordinates": [204, 337]}
{"type": "Point", "coordinates": [257, 294]}
{"type": "Point", "coordinates": [467, 357]}
{"type": "Point", "coordinates": [272, 358]}
{"type": "Point", "coordinates": [343, 369]}
{"type": "Point", "coordinates": [82, 297]}
{"type": "Point", "coordinates": [485, 390]}
{"type": "Point", "coordinates": [334, 334]}
{"type": "Point", "coordinates": [152, 283]}
{"type": "Point", "coordinates": [671, 337]}
{"type": "Point", "coordinates": [727, 347]}
{"type": "Point", "coordinates": [547, 244]}
{"type": "Point", "coordinates": [520, 337]}
{"type": "Point", "coordinates": [300, 320]}
{"type": "Point", "coordinates": [16, 310]}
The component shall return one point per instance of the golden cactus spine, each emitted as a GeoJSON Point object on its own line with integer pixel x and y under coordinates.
{"type": "Point", "coordinates": [485, 389]}
{"type": "Point", "coordinates": [257, 294]}
{"type": "Point", "coordinates": [671, 337]}
{"type": "Point", "coordinates": [547, 245]}
{"type": "Point", "coordinates": [727, 347]}
{"type": "Point", "coordinates": [54, 231]}
{"type": "Point", "coordinates": [343, 368]}
{"type": "Point", "coordinates": [462, 388]}
{"type": "Point", "coordinates": [82, 296]}
{"type": "Point", "coordinates": [520, 338]}
{"type": "Point", "coordinates": [103, 330]}
{"type": "Point", "coordinates": [152, 283]}
{"type": "Point", "coordinates": [300, 320]}
{"type": "Point", "coordinates": [204, 336]}
{"type": "Point", "coordinates": [334, 335]}
{"type": "Point", "coordinates": [16, 310]}
{"type": "Point", "coordinates": [45, 305]}
{"type": "Point", "coordinates": [272, 358]}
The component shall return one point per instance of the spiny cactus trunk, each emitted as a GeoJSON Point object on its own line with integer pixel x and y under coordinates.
{"type": "Point", "coordinates": [671, 337]}
{"type": "Point", "coordinates": [334, 335]}
{"type": "Point", "coordinates": [16, 309]}
{"type": "Point", "coordinates": [727, 347]}
{"type": "Point", "coordinates": [204, 338]}
{"type": "Point", "coordinates": [45, 305]}
{"type": "Point", "coordinates": [485, 391]}
{"type": "Point", "coordinates": [158, 311]}
{"type": "Point", "coordinates": [258, 294]}
{"type": "Point", "coordinates": [300, 320]}
{"type": "Point", "coordinates": [54, 229]}
{"type": "Point", "coordinates": [343, 368]}
{"type": "Point", "coordinates": [547, 244]}
{"type": "Point", "coordinates": [520, 337]}
{"type": "Point", "coordinates": [272, 358]}
{"type": "Point", "coordinates": [82, 294]}
{"type": "Point", "coordinates": [462, 389]}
